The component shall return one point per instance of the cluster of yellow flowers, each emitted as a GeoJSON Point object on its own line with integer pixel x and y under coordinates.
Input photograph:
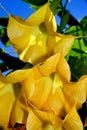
{"type": "Point", "coordinates": [41, 97]}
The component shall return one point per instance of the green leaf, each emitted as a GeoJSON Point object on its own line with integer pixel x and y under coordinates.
{"type": "Point", "coordinates": [74, 30]}
{"type": "Point", "coordinates": [85, 128]}
{"type": "Point", "coordinates": [2, 32]}
{"type": "Point", "coordinates": [65, 20]}
{"type": "Point", "coordinates": [3, 37]}
{"type": "Point", "coordinates": [78, 67]}
{"type": "Point", "coordinates": [55, 6]}
{"type": "Point", "coordinates": [84, 22]}
{"type": "Point", "coordinates": [36, 2]}
{"type": "Point", "coordinates": [78, 50]}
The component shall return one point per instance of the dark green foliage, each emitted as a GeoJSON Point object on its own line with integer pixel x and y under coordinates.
{"type": "Point", "coordinates": [83, 113]}
{"type": "Point", "coordinates": [78, 67]}
{"type": "Point", "coordinates": [36, 2]}
{"type": "Point", "coordinates": [77, 57]}
{"type": "Point", "coordinates": [3, 36]}
{"type": "Point", "coordinates": [4, 22]}
{"type": "Point", "coordinates": [64, 20]}
{"type": "Point", "coordinates": [55, 6]}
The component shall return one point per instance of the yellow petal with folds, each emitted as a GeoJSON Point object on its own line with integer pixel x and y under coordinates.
{"type": "Point", "coordinates": [51, 43]}
{"type": "Point", "coordinates": [15, 76]}
{"type": "Point", "coordinates": [63, 69]}
{"type": "Point", "coordinates": [37, 50]}
{"type": "Point", "coordinates": [64, 44]}
{"type": "Point", "coordinates": [7, 98]}
{"type": "Point", "coordinates": [59, 42]}
{"type": "Point", "coordinates": [43, 14]}
{"type": "Point", "coordinates": [56, 102]}
{"type": "Point", "coordinates": [76, 92]}
{"type": "Point", "coordinates": [72, 121]}
{"type": "Point", "coordinates": [48, 118]}
{"type": "Point", "coordinates": [33, 122]}
{"type": "Point", "coordinates": [58, 64]}
{"type": "Point", "coordinates": [49, 66]}
{"type": "Point", "coordinates": [36, 91]}
{"type": "Point", "coordinates": [19, 112]}
{"type": "Point", "coordinates": [19, 33]}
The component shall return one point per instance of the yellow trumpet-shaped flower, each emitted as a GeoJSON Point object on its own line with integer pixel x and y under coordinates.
{"type": "Point", "coordinates": [47, 96]}
{"type": "Point", "coordinates": [35, 39]}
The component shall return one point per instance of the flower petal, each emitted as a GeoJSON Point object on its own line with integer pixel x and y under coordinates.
{"type": "Point", "coordinates": [49, 66]}
{"type": "Point", "coordinates": [32, 90]}
{"type": "Point", "coordinates": [15, 76]}
{"type": "Point", "coordinates": [48, 118]}
{"type": "Point", "coordinates": [63, 69]}
{"type": "Point", "coordinates": [44, 14]}
{"type": "Point", "coordinates": [72, 121]}
{"type": "Point", "coordinates": [64, 44]}
{"type": "Point", "coordinates": [7, 98]}
{"type": "Point", "coordinates": [56, 102]}
{"type": "Point", "coordinates": [76, 92]}
{"type": "Point", "coordinates": [36, 38]}
{"type": "Point", "coordinates": [33, 122]}
{"type": "Point", "coordinates": [19, 112]}
{"type": "Point", "coordinates": [18, 32]}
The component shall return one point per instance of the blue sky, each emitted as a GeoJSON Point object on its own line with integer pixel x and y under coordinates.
{"type": "Point", "coordinates": [78, 8]}
{"type": "Point", "coordinates": [16, 7]}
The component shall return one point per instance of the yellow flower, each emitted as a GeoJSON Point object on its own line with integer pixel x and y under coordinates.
{"type": "Point", "coordinates": [35, 39]}
{"type": "Point", "coordinates": [47, 96]}
{"type": "Point", "coordinates": [42, 78]}
{"type": "Point", "coordinates": [8, 94]}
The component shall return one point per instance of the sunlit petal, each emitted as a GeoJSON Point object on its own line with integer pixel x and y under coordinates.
{"type": "Point", "coordinates": [15, 76]}
{"type": "Point", "coordinates": [33, 122]}
{"type": "Point", "coordinates": [64, 44]}
{"type": "Point", "coordinates": [49, 66]}
{"type": "Point", "coordinates": [48, 117]}
{"type": "Point", "coordinates": [7, 98]}
{"type": "Point", "coordinates": [18, 32]}
{"type": "Point", "coordinates": [76, 92]}
{"type": "Point", "coordinates": [19, 112]}
{"type": "Point", "coordinates": [56, 101]}
{"type": "Point", "coordinates": [47, 17]}
{"type": "Point", "coordinates": [36, 91]}
{"type": "Point", "coordinates": [72, 121]}
{"type": "Point", "coordinates": [63, 69]}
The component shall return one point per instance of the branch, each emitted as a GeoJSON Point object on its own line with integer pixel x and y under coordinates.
{"type": "Point", "coordinates": [72, 21]}
{"type": "Point", "coordinates": [11, 62]}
